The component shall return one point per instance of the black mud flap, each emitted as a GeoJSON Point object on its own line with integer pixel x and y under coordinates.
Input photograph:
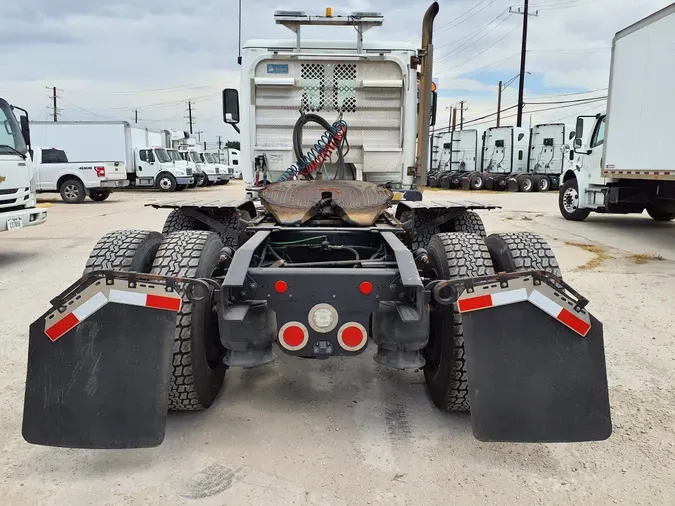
{"type": "Point", "coordinates": [533, 379]}
{"type": "Point", "coordinates": [103, 383]}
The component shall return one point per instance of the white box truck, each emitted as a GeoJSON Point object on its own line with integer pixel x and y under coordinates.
{"type": "Point", "coordinates": [624, 159]}
{"type": "Point", "coordinates": [17, 173]}
{"type": "Point", "coordinates": [141, 150]}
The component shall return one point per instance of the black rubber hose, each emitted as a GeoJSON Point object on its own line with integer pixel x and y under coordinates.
{"type": "Point", "coordinates": [297, 140]}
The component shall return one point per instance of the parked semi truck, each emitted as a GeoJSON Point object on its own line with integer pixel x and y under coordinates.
{"type": "Point", "coordinates": [624, 159]}
{"type": "Point", "coordinates": [505, 152]}
{"type": "Point", "coordinates": [141, 150]}
{"type": "Point", "coordinates": [548, 155]}
{"type": "Point", "coordinates": [322, 269]}
{"type": "Point", "coordinates": [17, 173]}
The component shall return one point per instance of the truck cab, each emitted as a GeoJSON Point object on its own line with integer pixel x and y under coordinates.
{"type": "Point", "coordinates": [370, 85]}
{"type": "Point", "coordinates": [17, 173]}
{"type": "Point", "coordinates": [215, 173]}
{"type": "Point", "coordinates": [181, 164]}
{"type": "Point", "coordinates": [154, 167]}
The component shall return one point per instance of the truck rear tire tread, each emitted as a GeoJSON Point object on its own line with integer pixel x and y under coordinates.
{"type": "Point", "coordinates": [124, 250]}
{"type": "Point", "coordinates": [421, 219]}
{"type": "Point", "coordinates": [178, 221]}
{"type": "Point", "coordinates": [469, 222]}
{"type": "Point", "coordinates": [459, 255]}
{"type": "Point", "coordinates": [194, 383]}
{"type": "Point", "coordinates": [522, 251]}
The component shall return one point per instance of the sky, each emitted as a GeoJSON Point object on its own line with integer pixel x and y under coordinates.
{"type": "Point", "coordinates": [109, 59]}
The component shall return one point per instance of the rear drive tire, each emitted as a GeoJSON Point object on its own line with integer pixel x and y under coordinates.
{"type": "Point", "coordinates": [476, 181]}
{"type": "Point", "coordinates": [512, 184]}
{"type": "Point", "coordinates": [451, 256]}
{"type": "Point", "coordinates": [124, 250]}
{"type": "Point", "coordinates": [469, 222]}
{"type": "Point", "coordinates": [568, 202]}
{"type": "Point", "coordinates": [72, 191]}
{"type": "Point", "coordinates": [526, 183]}
{"type": "Point", "coordinates": [225, 181]}
{"type": "Point", "coordinates": [521, 251]}
{"type": "Point", "coordinates": [99, 195]}
{"type": "Point", "coordinates": [542, 183]}
{"type": "Point", "coordinates": [421, 219]}
{"type": "Point", "coordinates": [178, 221]}
{"type": "Point", "coordinates": [166, 182]}
{"type": "Point", "coordinates": [197, 365]}
{"type": "Point", "coordinates": [181, 187]}
{"type": "Point", "coordinates": [659, 214]}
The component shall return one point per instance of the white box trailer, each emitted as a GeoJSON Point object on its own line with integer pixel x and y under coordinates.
{"type": "Point", "coordinates": [141, 149]}
{"type": "Point", "coordinates": [624, 158]}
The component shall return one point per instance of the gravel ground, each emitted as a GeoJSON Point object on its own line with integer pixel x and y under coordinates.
{"type": "Point", "coordinates": [347, 431]}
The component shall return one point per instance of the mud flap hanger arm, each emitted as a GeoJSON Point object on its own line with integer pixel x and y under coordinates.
{"type": "Point", "coordinates": [195, 289]}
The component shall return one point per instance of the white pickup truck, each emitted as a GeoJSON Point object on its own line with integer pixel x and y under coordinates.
{"type": "Point", "coordinates": [75, 180]}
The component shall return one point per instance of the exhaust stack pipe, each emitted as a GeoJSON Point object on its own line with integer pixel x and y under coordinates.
{"type": "Point", "coordinates": [424, 116]}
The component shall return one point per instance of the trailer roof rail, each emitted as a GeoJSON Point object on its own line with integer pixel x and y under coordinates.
{"type": "Point", "coordinates": [361, 21]}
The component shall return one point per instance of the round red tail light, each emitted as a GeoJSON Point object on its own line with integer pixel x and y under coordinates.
{"type": "Point", "coordinates": [280, 286]}
{"type": "Point", "coordinates": [293, 336]}
{"type": "Point", "coordinates": [352, 336]}
{"type": "Point", "coordinates": [366, 288]}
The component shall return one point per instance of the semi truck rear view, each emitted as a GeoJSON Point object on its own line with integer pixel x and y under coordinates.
{"type": "Point", "coordinates": [624, 161]}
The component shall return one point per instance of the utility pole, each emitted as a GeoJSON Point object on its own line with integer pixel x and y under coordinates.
{"type": "Point", "coordinates": [220, 144]}
{"type": "Point", "coordinates": [53, 105]}
{"type": "Point", "coordinates": [56, 114]}
{"type": "Point", "coordinates": [454, 118]}
{"type": "Point", "coordinates": [204, 145]}
{"type": "Point", "coordinates": [461, 115]}
{"type": "Point", "coordinates": [199, 135]}
{"type": "Point", "coordinates": [451, 108]}
{"type": "Point", "coordinates": [135, 115]}
{"type": "Point", "coordinates": [523, 53]}
{"type": "Point", "coordinates": [499, 102]}
{"type": "Point", "coordinates": [190, 115]}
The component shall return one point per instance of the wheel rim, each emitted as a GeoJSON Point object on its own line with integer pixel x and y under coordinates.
{"type": "Point", "coordinates": [570, 200]}
{"type": "Point", "coordinates": [543, 185]}
{"type": "Point", "coordinates": [478, 182]}
{"type": "Point", "coordinates": [527, 184]}
{"type": "Point", "coordinates": [165, 183]}
{"type": "Point", "coordinates": [71, 192]}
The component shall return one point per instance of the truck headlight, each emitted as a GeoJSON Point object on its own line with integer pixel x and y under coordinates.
{"type": "Point", "coordinates": [180, 173]}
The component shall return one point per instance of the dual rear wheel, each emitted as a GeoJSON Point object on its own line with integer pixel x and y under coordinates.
{"type": "Point", "coordinates": [197, 361]}
{"type": "Point", "coordinates": [458, 255]}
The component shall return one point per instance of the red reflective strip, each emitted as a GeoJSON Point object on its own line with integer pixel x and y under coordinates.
{"type": "Point", "coordinates": [574, 322]}
{"type": "Point", "coordinates": [160, 302]}
{"type": "Point", "coordinates": [57, 330]}
{"type": "Point", "coordinates": [480, 302]}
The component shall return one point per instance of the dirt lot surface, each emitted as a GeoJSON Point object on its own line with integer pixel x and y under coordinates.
{"type": "Point", "coordinates": [345, 431]}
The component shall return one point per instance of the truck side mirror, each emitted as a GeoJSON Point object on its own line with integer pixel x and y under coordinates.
{"type": "Point", "coordinates": [231, 107]}
{"type": "Point", "coordinates": [25, 129]}
{"type": "Point", "coordinates": [579, 132]}
{"type": "Point", "coordinates": [434, 107]}
{"type": "Point", "coordinates": [577, 143]}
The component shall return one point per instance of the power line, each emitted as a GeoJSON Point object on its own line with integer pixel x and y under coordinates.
{"type": "Point", "coordinates": [567, 94]}
{"type": "Point", "coordinates": [468, 44]}
{"type": "Point", "coordinates": [483, 51]}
